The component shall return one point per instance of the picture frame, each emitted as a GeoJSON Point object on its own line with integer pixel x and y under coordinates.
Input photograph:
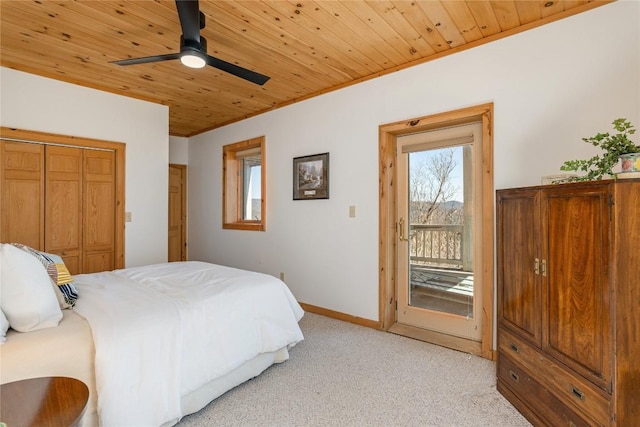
{"type": "Point", "coordinates": [311, 177]}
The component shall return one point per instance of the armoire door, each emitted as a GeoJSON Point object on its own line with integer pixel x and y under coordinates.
{"type": "Point", "coordinates": [576, 223]}
{"type": "Point", "coordinates": [518, 240]}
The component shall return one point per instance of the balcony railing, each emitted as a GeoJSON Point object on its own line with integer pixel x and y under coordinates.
{"type": "Point", "coordinates": [436, 245]}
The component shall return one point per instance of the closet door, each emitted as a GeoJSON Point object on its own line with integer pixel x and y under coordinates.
{"type": "Point", "coordinates": [22, 193]}
{"type": "Point", "coordinates": [63, 205]}
{"type": "Point", "coordinates": [99, 210]}
{"type": "Point", "coordinates": [63, 195]}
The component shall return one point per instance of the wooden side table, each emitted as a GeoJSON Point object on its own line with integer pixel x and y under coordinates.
{"type": "Point", "coordinates": [43, 402]}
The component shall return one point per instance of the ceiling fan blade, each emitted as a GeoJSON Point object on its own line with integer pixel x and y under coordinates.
{"type": "Point", "coordinates": [189, 14]}
{"type": "Point", "coordinates": [243, 73]}
{"type": "Point", "coordinates": [147, 59]}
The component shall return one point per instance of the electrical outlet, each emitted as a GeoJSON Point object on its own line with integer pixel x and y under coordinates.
{"type": "Point", "coordinates": [352, 211]}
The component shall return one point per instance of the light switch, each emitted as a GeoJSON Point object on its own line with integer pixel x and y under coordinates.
{"type": "Point", "coordinates": [127, 217]}
{"type": "Point", "coordinates": [352, 211]}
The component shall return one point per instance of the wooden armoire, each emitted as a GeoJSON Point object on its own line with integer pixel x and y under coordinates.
{"type": "Point", "coordinates": [62, 199]}
{"type": "Point", "coordinates": [568, 272]}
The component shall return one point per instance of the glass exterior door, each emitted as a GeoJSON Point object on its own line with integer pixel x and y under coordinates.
{"type": "Point", "coordinates": [437, 289]}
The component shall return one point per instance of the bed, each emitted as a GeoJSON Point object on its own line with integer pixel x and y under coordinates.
{"type": "Point", "coordinates": [153, 343]}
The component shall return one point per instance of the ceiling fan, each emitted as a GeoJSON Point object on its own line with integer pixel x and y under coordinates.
{"type": "Point", "coordinates": [193, 47]}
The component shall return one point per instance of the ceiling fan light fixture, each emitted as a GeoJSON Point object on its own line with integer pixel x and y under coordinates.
{"type": "Point", "coordinates": [193, 60]}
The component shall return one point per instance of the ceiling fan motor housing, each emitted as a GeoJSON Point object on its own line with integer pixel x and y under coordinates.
{"type": "Point", "coordinates": [187, 45]}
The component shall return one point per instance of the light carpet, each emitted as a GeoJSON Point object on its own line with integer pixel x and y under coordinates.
{"type": "Point", "coordinates": [348, 375]}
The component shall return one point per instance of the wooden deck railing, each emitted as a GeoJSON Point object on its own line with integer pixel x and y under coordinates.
{"type": "Point", "coordinates": [436, 245]}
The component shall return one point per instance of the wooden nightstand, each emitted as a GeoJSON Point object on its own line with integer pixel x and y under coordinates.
{"type": "Point", "coordinates": [43, 402]}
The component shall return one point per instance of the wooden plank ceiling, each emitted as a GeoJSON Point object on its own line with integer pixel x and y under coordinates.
{"type": "Point", "coordinates": [306, 47]}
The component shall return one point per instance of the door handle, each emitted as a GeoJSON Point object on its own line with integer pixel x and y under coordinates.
{"type": "Point", "coordinates": [401, 231]}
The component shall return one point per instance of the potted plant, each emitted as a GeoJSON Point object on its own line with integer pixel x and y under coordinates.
{"type": "Point", "coordinates": [617, 147]}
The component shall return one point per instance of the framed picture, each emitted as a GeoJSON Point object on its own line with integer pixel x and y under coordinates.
{"type": "Point", "coordinates": [311, 177]}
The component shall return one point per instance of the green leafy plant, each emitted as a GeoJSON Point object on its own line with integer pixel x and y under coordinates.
{"type": "Point", "coordinates": [613, 146]}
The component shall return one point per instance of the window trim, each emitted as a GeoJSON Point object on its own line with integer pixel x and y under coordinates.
{"type": "Point", "coordinates": [232, 185]}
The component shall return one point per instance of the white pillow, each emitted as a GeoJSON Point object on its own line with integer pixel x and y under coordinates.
{"type": "Point", "coordinates": [4, 323]}
{"type": "Point", "coordinates": [26, 295]}
{"type": "Point", "coordinates": [4, 327]}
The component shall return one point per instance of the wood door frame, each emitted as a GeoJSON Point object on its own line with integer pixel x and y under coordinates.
{"type": "Point", "coordinates": [388, 135]}
{"type": "Point", "coordinates": [183, 209]}
{"type": "Point", "coordinates": [119, 148]}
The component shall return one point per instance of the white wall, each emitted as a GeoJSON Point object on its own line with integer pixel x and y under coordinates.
{"type": "Point", "coordinates": [551, 86]}
{"type": "Point", "coordinates": [35, 103]}
{"type": "Point", "coordinates": [178, 150]}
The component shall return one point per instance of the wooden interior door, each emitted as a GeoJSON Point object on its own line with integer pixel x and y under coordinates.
{"type": "Point", "coordinates": [63, 205]}
{"type": "Point", "coordinates": [22, 195]}
{"type": "Point", "coordinates": [519, 241]}
{"type": "Point", "coordinates": [576, 286]}
{"type": "Point", "coordinates": [99, 210]}
{"type": "Point", "coordinates": [177, 213]}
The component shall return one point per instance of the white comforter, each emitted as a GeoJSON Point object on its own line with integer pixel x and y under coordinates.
{"type": "Point", "coordinates": [164, 330]}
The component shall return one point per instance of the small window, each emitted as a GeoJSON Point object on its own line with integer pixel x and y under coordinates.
{"type": "Point", "coordinates": [243, 196]}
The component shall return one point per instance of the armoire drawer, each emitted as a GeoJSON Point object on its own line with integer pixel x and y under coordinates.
{"type": "Point", "coordinates": [569, 387]}
{"type": "Point", "coordinates": [544, 404]}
